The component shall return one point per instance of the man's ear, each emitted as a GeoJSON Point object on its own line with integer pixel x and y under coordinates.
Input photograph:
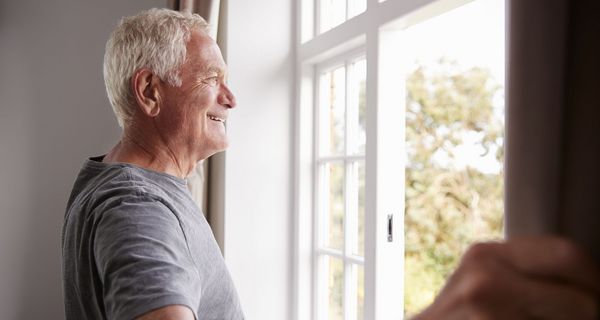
{"type": "Point", "coordinates": [146, 92]}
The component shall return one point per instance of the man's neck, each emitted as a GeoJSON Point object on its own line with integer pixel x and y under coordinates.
{"type": "Point", "coordinates": [149, 152]}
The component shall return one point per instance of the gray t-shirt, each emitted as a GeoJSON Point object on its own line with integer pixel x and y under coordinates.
{"type": "Point", "coordinates": [134, 240]}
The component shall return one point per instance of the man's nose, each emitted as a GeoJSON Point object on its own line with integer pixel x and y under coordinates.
{"type": "Point", "coordinates": [227, 98]}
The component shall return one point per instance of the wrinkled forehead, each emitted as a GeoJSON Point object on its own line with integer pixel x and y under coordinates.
{"type": "Point", "coordinates": [204, 54]}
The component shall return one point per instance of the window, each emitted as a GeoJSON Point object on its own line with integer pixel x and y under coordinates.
{"type": "Point", "coordinates": [340, 171]}
{"type": "Point", "coordinates": [400, 119]}
{"type": "Point", "coordinates": [334, 12]}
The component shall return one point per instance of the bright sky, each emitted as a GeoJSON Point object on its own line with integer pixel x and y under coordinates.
{"type": "Point", "coordinates": [472, 35]}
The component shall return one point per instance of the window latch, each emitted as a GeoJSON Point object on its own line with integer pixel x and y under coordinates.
{"type": "Point", "coordinates": [390, 227]}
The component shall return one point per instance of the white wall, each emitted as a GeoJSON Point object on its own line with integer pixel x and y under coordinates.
{"type": "Point", "coordinates": [53, 113]}
{"type": "Point", "coordinates": [258, 189]}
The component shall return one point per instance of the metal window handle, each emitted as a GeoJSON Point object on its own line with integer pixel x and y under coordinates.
{"type": "Point", "coordinates": [390, 227]}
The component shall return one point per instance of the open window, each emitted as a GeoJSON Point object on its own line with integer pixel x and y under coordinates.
{"type": "Point", "coordinates": [400, 145]}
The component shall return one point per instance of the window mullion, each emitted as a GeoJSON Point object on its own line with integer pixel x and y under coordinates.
{"type": "Point", "coordinates": [347, 189]}
{"type": "Point", "coordinates": [317, 21]}
{"type": "Point", "coordinates": [318, 268]}
{"type": "Point", "coordinates": [353, 158]}
{"type": "Point", "coordinates": [347, 9]}
{"type": "Point", "coordinates": [384, 266]}
{"type": "Point", "coordinates": [370, 172]}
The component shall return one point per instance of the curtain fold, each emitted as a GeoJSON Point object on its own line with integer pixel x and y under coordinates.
{"type": "Point", "coordinates": [207, 9]}
{"type": "Point", "coordinates": [553, 120]}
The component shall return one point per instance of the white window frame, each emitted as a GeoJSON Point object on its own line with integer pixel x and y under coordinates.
{"type": "Point", "coordinates": [364, 34]}
{"type": "Point", "coordinates": [345, 60]}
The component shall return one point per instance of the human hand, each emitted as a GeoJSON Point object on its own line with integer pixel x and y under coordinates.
{"type": "Point", "coordinates": [522, 278]}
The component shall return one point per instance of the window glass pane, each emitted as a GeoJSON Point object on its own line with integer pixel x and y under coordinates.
{"type": "Point", "coordinates": [356, 210]}
{"type": "Point", "coordinates": [333, 205]}
{"type": "Point", "coordinates": [332, 112]}
{"type": "Point", "coordinates": [356, 7]}
{"type": "Point", "coordinates": [335, 290]}
{"type": "Point", "coordinates": [454, 142]}
{"type": "Point", "coordinates": [357, 107]}
{"type": "Point", "coordinates": [332, 14]}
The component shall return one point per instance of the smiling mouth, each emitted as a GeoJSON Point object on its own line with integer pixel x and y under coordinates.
{"type": "Point", "coordinates": [216, 119]}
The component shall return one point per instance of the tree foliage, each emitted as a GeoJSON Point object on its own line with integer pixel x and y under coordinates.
{"type": "Point", "coordinates": [450, 202]}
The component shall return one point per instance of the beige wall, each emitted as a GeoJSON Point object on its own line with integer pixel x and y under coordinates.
{"type": "Point", "coordinates": [53, 113]}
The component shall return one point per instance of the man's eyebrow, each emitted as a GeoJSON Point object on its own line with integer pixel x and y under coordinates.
{"type": "Point", "coordinates": [213, 70]}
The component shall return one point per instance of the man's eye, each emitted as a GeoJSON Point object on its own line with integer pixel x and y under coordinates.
{"type": "Point", "coordinates": [212, 81]}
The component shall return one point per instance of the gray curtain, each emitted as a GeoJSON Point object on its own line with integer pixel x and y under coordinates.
{"type": "Point", "coordinates": [553, 120]}
{"type": "Point", "coordinates": [207, 183]}
{"type": "Point", "coordinates": [208, 9]}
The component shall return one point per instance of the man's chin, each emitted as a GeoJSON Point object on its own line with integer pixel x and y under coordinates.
{"type": "Point", "coordinates": [221, 145]}
{"type": "Point", "coordinates": [214, 149]}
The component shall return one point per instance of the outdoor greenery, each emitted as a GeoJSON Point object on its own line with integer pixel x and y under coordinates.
{"type": "Point", "coordinates": [450, 202]}
{"type": "Point", "coordinates": [454, 186]}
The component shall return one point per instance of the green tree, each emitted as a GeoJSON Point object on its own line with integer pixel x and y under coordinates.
{"type": "Point", "coordinates": [449, 204]}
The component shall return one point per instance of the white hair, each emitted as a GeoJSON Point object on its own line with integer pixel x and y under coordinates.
{"type": "Point", "coordinates": [155, 39]}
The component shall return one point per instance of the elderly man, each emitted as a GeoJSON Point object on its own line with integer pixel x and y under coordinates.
{"type": "Point", "coordinates": [136, 246]}
{"type": "Point", "coordinates": [134, 242]}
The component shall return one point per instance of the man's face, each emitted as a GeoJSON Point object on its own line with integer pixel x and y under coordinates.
{"type": "Point", "coordinates": [195, 112]}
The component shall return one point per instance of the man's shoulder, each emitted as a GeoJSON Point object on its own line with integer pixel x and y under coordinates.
{"type": "Point", "coordinates": [100, 188]}
{"type": "Point", "coordinates": [126, 181]}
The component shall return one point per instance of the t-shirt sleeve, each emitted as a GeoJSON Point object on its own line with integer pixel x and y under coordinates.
{"type": "Point", "coordinates": [143, 260]}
